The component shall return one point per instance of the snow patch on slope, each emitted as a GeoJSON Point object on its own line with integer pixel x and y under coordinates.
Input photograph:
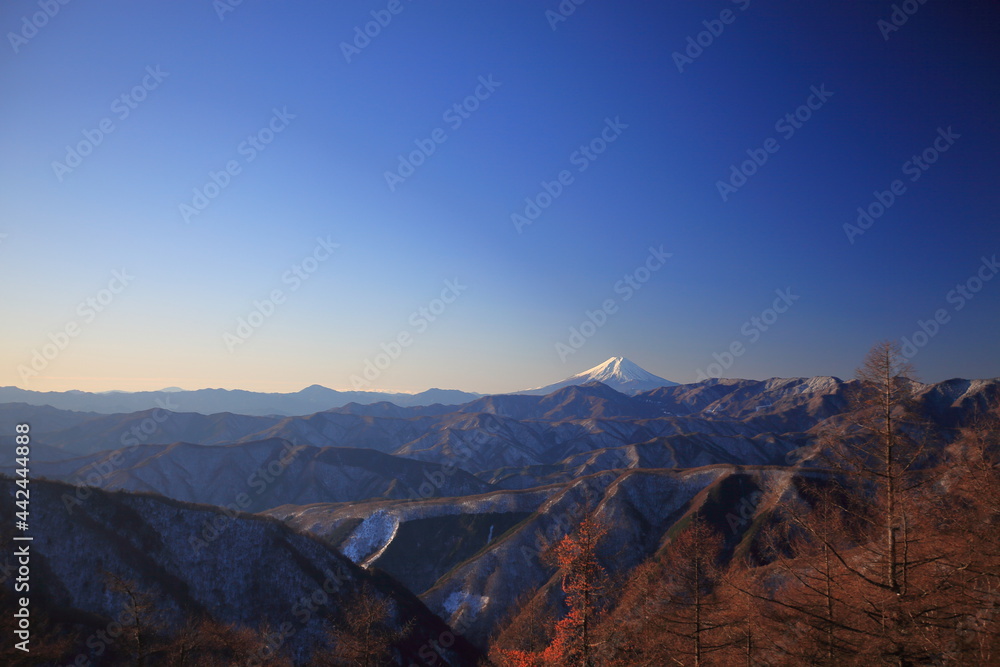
{"type": "Point", "coordinates": [472, 604]}
{"type": "Point", "coordinates": [371, 537]}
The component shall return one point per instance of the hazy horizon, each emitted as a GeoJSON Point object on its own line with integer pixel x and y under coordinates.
{"type": "Point", "coordinates": [847, 376]}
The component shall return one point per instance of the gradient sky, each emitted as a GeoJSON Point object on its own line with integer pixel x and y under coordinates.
{"type": "Point", "coordinates": [323, 176]}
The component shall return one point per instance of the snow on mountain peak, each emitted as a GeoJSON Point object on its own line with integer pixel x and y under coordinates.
{"type": "Point", "coordinates": [617, 372]}
{"type": "Point", "coordinates": [617, 369]}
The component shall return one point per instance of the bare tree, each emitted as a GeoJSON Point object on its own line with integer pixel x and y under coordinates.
{"type": "Point", "coordinates": [139, 618]}
{"type": "Point", "coordinates": [748, 633]}
{"type": "Point", "coordinates": [885, 452]}
{"type": "Point", "coordinates": [812, 605]}
{"type": "Point", "coordinates": [881, 565]}
{"type": "Point", "coordinates": [971, 525]}
{"type": "Point", "coordinates": [365, 635]}
{"type": "Point", "coordinates": [690, 610]}
{"type": "Point", "coordinates": [670, 613]}
{"type": "Point", "coordinates": [205, 642]}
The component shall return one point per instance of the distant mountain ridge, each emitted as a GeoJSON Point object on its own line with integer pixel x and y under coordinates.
{"type": "Point", "coordinates": [507, 430]}
{"type": "Point", "coordinates": [268, 472]}
{"type": "Point", "coordinates": [617, 372]}
{"type": "Point", "coordinates": [314, 398]}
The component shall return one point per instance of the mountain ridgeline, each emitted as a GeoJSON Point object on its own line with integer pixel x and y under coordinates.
{"type": "Point", "coordinates": [448, 513]}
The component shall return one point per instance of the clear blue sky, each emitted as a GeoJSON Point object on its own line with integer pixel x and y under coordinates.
{"type": "Point", "coordinates": [219, 81]}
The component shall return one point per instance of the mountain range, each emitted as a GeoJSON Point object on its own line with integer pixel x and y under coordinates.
{"type": "Point", "coordinates": [208, 401]}
{"type": "Point", "coordinates": [617, 372]}
{"type": "Point", "coordinates": [448, 509]}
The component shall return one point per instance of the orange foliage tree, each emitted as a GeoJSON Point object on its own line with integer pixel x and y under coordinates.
{"type": "Point", "coordinates": [583, 582]}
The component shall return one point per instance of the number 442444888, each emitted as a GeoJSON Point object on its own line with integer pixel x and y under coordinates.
{"type": "Point", "coordinates": [23, 451]}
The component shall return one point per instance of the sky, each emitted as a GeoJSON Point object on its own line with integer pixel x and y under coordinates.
{"type": "Point", "coordinates": [397, 195]}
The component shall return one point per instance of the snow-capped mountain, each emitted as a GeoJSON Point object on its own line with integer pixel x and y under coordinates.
{"type": "Point", "coordinates": [617, 372]}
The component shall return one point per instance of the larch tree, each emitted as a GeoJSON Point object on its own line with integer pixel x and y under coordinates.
{"type": "Point", "coordinates": [583, 583]}
{"type": "Point", "coordinates": [747, 632]}
{"type": "Point", "coordinates": [885, 451]}
{"type": "Point", "coordinates": [142, 626]}
{"type": "Point", "coordinates": [972, 523]}
{"type": "Point", "coordinates": [690, 610]}
{"type": "Point", "coordinates": [669, 612]}
{"type": "Point", "coordinates": [365, 635]}
{"type": "Point", "coordinates": [574, 639]}
{"type": "Point", "coordinates": [811, 600]}
{"type": "Point", "coordinates": [879, 455]}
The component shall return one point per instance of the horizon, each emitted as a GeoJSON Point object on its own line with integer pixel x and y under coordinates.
{"type": "Point", "coordinates": [264, 198]}
{"type": "Point", "coordinates": [474, 391]}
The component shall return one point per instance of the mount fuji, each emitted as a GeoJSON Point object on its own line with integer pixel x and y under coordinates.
{"type": "Point", "coordinates": [617, 372]}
